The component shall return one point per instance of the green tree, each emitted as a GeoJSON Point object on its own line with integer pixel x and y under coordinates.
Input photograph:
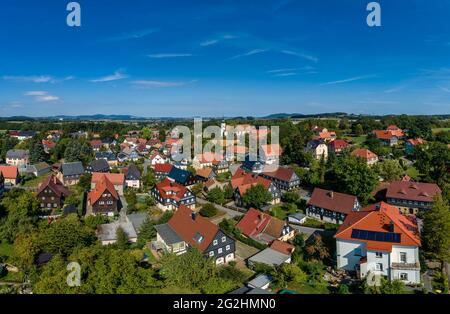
{"type": "Point", "coordinates": [353, 176]}
{"type": "Point", "coordinates": [216, 195]}
{"type": "Point", "coordinates": [121, 239]}
{"type": "Point", "coordinates": [433, 162]}
{"type": "Point", "coordinates": [85, 181]}
{"type": "Point", "coordinates": [257, 196]}
{"type": "Point", "coordinates": [190, 270]}
{"type": "Point", "coordinates": [208, 210]}
{"type": "Point", "coordinates": [64, 235]}
{"type": "Point", "coordinates": [436, 230]}
{"type": "Point", "coordinates": [25, 250]}
{"type": "Point", "coordinates": [317, 250]}
{"type": "Point", "coordinates": [37, 153]}
{"type": "Point", "coordinates": [389, 169]}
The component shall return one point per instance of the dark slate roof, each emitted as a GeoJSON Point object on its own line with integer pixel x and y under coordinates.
{"type": "Point", "coordinates": [179, 175]}
{"type": "Point", "coordinates": [251, 163]}
{"type": "Point", "coordinates": [133, 173]}
{"type": "Point", "coordinates": [137, 219]}
{"type": "Point", "coordinates": [72, 168]}
{"type": "Point", "coordinates": [70, 209]}
{"type": "Point", "coordinates": [168, 234]}
{"type": "Point", "coordinates": [98, 165]}
{"type": "Point", "coordinates": [105, 155]}
{"type": "Point", "coordinates": [43, 259]}
{"type": "Point", "coordinates": [17, 153]}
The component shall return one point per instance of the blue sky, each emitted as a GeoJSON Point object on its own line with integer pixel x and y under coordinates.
{"type": "Point", "coordinates": [224, 58]}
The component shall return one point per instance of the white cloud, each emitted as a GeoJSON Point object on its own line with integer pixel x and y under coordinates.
{"type": "Point", "coordinates": [249, 53]}
{"type": "Point", "coordinates": [37, 78]}
{"type": "Point", "coordinates": [209, 42]}
{"type": "Point", "coordinates": [160, 84]}
{"type": "Point", "coordinates": [118, 75]}
{"type": "Point", "coordinates": [444, 89]}
{"type": "Point", "coordinates": [285, 74]}
{"type": "Point", "coordinates": [352, 79]}
{"type": "Point", "coordinates": [32, 78]}
{"type": "Point", "coordinates": [300, 55]}
{"type": "Point", "coordinates": [132, 35]}
{"type": "Point", "coordinates": [169, 55]}
{"type": "Point", "coordinates": [42, 96]}
{"type": "Point", "coordinates": [217, 40]}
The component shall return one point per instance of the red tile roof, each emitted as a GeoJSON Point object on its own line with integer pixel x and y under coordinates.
{"type": "Point", "coordinates": [171, 190]}
{"type": "Point", "coordinates": [55, 185]}
{"type": "Point", "coordinates": [281, 173]}
{"type": "Point", "coordinates": [384, 135]}
{"type": "Point", "coordinates": [377, 218]}
{"type": "Point", "coordinates": [96, 143]}
{"type": "Point", "coordinates": [414, 191]}
{"type": "Point", "coordinates": [102, 186]}
{"type": "Point", "coordinates": [417, 141]}
{"type": "Point", "coordinates": [49, 144]}
{"type": "Point", "coordinates": [395, 130]}
{"type": "Point", "coordinates": [208, 157]}
{"type": "Point", "coordinates": [114, 178]}
{"type": "Point", "coordinates": [282, 247]}
{"type": "Point", "coordinates": [339, 144]}
{"type": "Point", "coordinates": [364, 153]}
{"type": "Point", "coordinates": [9, 172]}
{"type": "Point", "coordinates": [334, 201]}
{"type": "Point", "coordinates": [204, 172]}
{"type": "Point", "coordinates": [253, 223]}
{"type": "Point", "coordinates": [243, 181]}
{"type": "Point", "coordinates": [163, 168]}
{"type": "Point", "coordinates": [188, 229]}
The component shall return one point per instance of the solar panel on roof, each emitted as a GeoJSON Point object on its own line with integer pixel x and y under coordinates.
{"type": "Point", "coordinates": [376, 236]}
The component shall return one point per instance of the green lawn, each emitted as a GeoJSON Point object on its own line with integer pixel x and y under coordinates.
{"type": "Point", "coordinates": [356, 140]}
{"type": "Point", "coordinates": [280, 213]}
{"type": "Point", "coordinates": [314, 223]}
{"type": "Point", "coordinates": [437, 130]}
{"type": "Point", "coordinates": [36, 181]}
{"type": "Point", "coordinates": [306, 288]}
{"type": "Point", "coordinates": [413, 173]}
{"type": "Point", "coordinates": [5, 249]}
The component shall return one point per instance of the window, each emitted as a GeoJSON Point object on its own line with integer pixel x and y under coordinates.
{"type": "Point", "coordinates": [378, 254]}
{"type": "Point", "coordinates": [379, 266]}
{"type": "Point", "coordinates": [219, 250]}
{"type": "Point", "coordinates": [402, 257]}
{"type": "Point", "coordinates": [357, 252]}
{"type": "Point", "coordinates": [404, 276]}
{"type": "Point", "coordinates": [224, 239]}
{"type": "Point", "coordinates": [227, 247]}
{"type": "Point", "coordinates": [215, 242]}
{"type": "Point", "coordinates": [211, 253]}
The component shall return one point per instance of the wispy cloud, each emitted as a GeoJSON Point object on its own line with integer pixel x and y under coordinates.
{"type": "Point", "coordinates": [352, 79]}
{"type": "Point", "coordinates": [160, 84]}
{"type": "Point", "coordinates": [118, 75]}
{"type": "Point", "coordinates": [249, 53]}
{"type": "Point", "coordinates": [32, 78]}
{"type": "Point", "coordinates": [394, 89]}
{"type": "Point", "coordinates": [132, 35]}
{"type": "Point", "coordinates": [444, 89]}
{"type": "Point", "coordinates": [217, 39]}
{"type": "Point", "coordinates": [285, 74]}
{"type": "Point", "coordinates": [169, 55]}
{"type": "Point", "coordinates": [42, 96]}
{"type": "Point", "coordinates": [282, 70]}
{"type": "Point", "coordinates": [36, 78]}
{"type": "Point", "coordinates": [300, 55]}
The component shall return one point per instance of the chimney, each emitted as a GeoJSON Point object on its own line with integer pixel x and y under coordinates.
{"type": "Point", "coordinates": [331, 194]}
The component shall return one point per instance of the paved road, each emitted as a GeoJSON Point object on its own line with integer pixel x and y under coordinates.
{"type": "Point", "coordinates": [231, 213]}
